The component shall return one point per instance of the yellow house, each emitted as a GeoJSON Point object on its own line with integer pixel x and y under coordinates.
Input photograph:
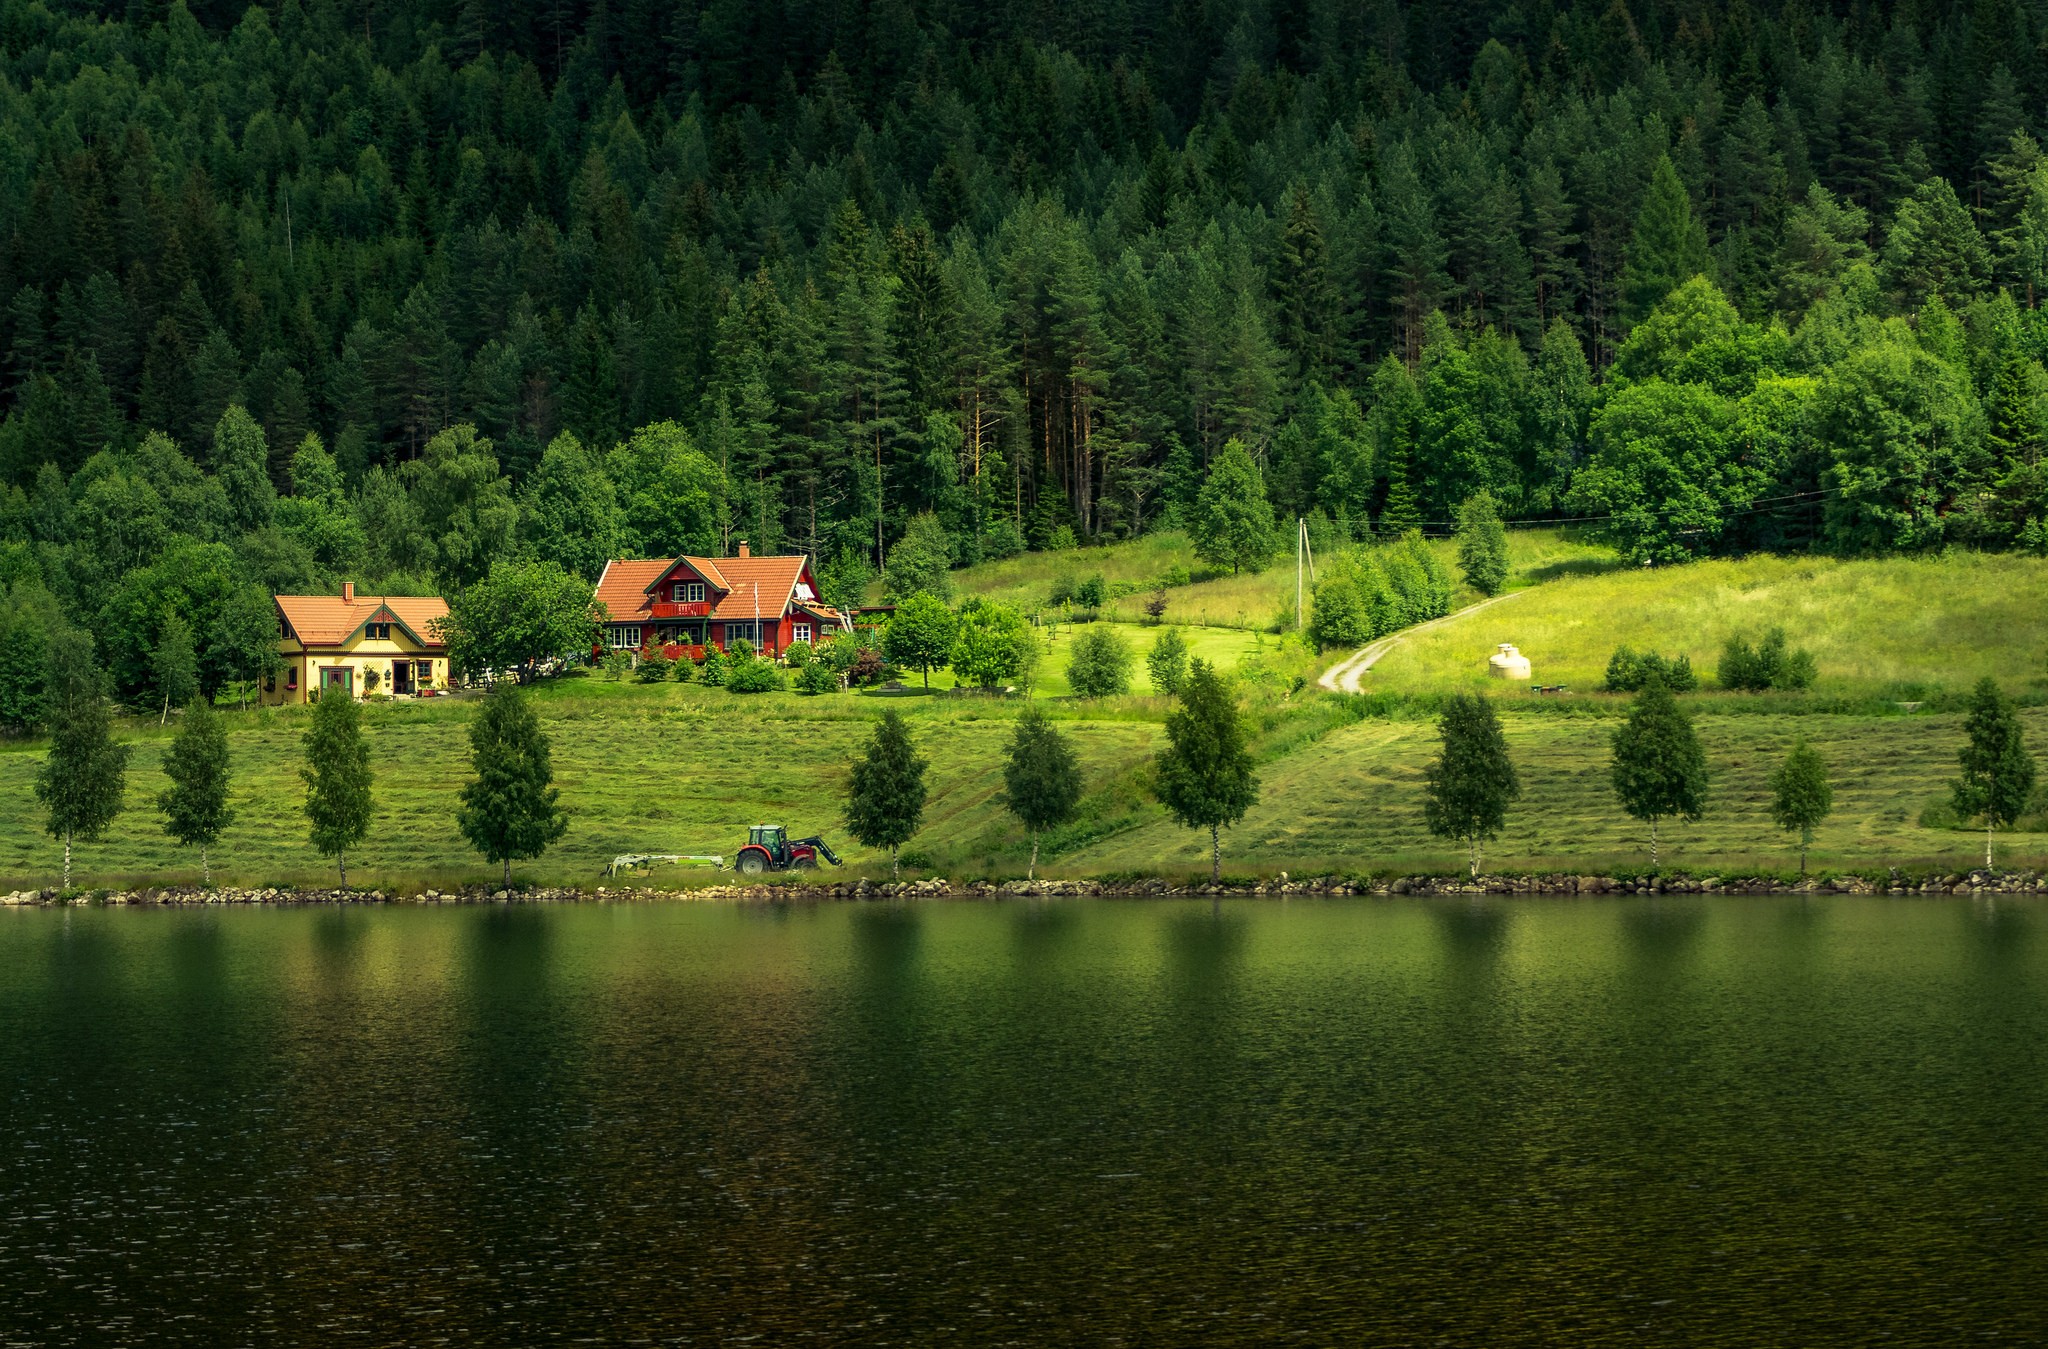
{"type": "Point", "coordinates": [367, 646]}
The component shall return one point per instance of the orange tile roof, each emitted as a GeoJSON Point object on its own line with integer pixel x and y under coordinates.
{"type": "Point", "coordinates": [626, 586]}
{"type": "Point", "coordinates": [330, 620]}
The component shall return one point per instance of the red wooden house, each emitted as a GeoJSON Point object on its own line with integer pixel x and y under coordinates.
{"type": "Point", "coordinates": [683, 604]}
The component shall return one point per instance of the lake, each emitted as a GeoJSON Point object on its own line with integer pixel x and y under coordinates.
{"type": "Point", "coordinates": [1674, 1120]}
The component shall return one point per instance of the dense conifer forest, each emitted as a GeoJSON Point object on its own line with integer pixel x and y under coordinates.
{"type": "Point", "coordinates": [330, 290]}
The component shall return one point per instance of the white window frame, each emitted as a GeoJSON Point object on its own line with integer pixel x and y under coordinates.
{"type": "Point", "coordinates": [626, 637]}
{"type": "Point", "coordinates": [688, 592]}
{"type": "Point", "coordinates": [800, 632]}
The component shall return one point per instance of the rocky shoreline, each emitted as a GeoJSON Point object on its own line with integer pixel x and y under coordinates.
{"type": "Point", "coordinates": [1978, 882]}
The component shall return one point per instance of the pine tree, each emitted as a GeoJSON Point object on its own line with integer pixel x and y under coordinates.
{"type": "Point", "coordinates": [1205, 772]}
{"type": "Point", "coordinates": [1659, 767]}
{"type": "Point", "coordinates": [1469, 788]}
{"type": "Point", "coordinates": [85, 772]}
{"type": "Point", "coordinates": [1998, 774]}
{"type": "Point", "coordinates": [195, 805]}
{"type": "Point", "coordinates": [886, 793]}
{"type": "Point", "coordinates": [337, 777]}
{"type": "Point", "coordinates": [173, 664]}
{"type": "Point", "coordinates": [1482, 544]}
{"type": "Point", "coordinates": [1801, 795]}
{"type": "Point", "coordinates": [1041, 779]}
{"type": "Point", "coordinates": [1669, 246]}
{"type": "Point", "coordinates": [510, 809]}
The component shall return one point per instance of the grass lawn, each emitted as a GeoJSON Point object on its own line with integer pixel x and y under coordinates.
{"type": "Point", "coordinates": [1893, 626]}
{"type": "Point", "coordinates": [1354, 802]}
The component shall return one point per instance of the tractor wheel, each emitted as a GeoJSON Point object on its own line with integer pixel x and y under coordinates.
{"type": "Point", "coordinates": [752, 864]}
{"type": "Point", "coordinates": [805, 864]}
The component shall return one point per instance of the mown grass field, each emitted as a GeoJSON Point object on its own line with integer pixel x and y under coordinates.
{"type": "Point", "coordinates": [1900, 627]}
{"type": "Point", "coordinates": [679, 767]}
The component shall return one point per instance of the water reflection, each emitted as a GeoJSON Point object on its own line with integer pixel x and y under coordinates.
{"type": "Point", "coordinates": [1698, 1121]}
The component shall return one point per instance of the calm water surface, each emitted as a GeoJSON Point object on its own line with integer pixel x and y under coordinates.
{"type": "Point", "coordinates": [1725, 1121]}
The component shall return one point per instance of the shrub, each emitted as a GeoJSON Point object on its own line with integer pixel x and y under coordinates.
{"type": "Point", "coordinates": [867, 668]}
{"type": "Point", "coordinates": [1100, 665]}
{"type": "Point", "coordinates": [1176, 575]}
{"type": "Point", "coordinates": [654, 668]}
{"type": "Point", "coordinates": [798, 655]}
{"type": "Point", "coordinates": [1340, 617]}
{"type": "Point", "coordinates": [817, 677]}
{"type": "Point", "coordinates": [1061, 539]}
{"type": "Point", "coordinates": [683, 670]}
{"type": "Point", "coordinates": [1092, 592]}
{"type": "Point", "coordinates": [1167, 662]}
{"type": "Point", "coordinates": [1767, 665]}
{"type": "Point", "coordinates": [1628, 672]}
{"type": "Point", "coordinates": [754, 676]}
{"type": "Point", "coordinates": [1000, 538]}
{"type": "Point", "coordinates": [712, 670]}
{"type": "Point", "coordinates": [616, 663]}
{"type": "Point", "coordinates": [1155, 606]}
{"type": "Point", "coordinates": [1063, 589]}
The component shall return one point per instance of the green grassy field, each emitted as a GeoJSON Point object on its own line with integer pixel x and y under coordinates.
{"type": "Point", "coordinates": [1899, 627]}
{"type": "Point", "coordinates": [679, 767]}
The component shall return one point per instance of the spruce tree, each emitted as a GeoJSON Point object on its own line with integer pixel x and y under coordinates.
{"type": "Point", "coordinates": [886, 792]}
{"type": "Point", "coordinates": [1482, 544]}
{"type": "Point", "coordinates": [1801, 795]}
{"type": "Point", "coordinates": [174, 665]}
{"type": "Point", "coordinates": [195, 805]}
{"type": "Point", "coordinates": [1469, 788]}
{"type": "Point", "coordinates": [1401, 511]}
{"type": "Point", "coordinates": [82, 778]}
{"type": "Point", "coordinates": [1205, 772]}
{"type": "Point", "coordinates": [1669, 246]}
{"type": "Point", "coordinates": [1998, 773]}
{"type": "Point", "coordinates": [1041, 780]}
{"type": "Point", "coordinates": [337, 777]}
{"type": "Point", "coordinates": [510, 810]}
{"type": "Point", "coordinates": [1659, 767]}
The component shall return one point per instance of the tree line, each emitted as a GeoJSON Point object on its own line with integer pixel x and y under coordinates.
{"type": "Point", "coordinates": [315, 292]}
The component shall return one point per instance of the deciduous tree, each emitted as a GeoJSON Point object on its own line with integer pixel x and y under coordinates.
{"type": "Point", "coordinates": [1041, 778]}
{"type": "Point", "coordinates": [82, 777]}
{"type": "Point", "coordinates": [195, 805]}
{"type": "Point", "coordinates": [886, 792]}
{"type": "Point", "coordinates": [1659, 768]}
{"type": "Point", "coordinates": [1801, 795]}
{"type": "Point", "coordinates": [920, 635]}
{"type": "Point", "coordinates": [1998, 773]}
{"type": "Point", "coordinates": [1205, 774]}
{"type": "Point", "coordinates": [337, 777]}
{"type": "Point", "coordinates": [510, 810]}
{"type": "Point", "coordinates": [1470, 786]}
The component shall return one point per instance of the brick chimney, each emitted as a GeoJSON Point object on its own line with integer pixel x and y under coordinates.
{"type": "Point", "coordinates": [743, 549]}
{"type": "Point", "coordinates": [348, 592]}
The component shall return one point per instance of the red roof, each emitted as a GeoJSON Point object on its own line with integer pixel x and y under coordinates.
{"type": "Point", "coordinates": [738, 587]}
{"type": "Point", "coordinates": [330, 620]}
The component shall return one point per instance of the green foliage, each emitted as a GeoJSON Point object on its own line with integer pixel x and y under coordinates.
{"type": "Point", "coordinates": [1471, 784]}
{"type": "Point", "coordinates": [992, 646]}
{"type": "Point", "coordinates": [1670, 244]}
{"type": "Point", "coordinates": [1664, 471]}
{"type": "Point", "coordinates": [195, 805]}
{"type": "Point", "coordinates": [1041, 778]}
{"type": "Point", "coordinates": [921, 561]}
{"type": "Point", "coordinates": [1092, 592]}
{"type": "Point", "coordinates": [519, 616]}
{"type": "Point", "coordinates": [751, 674]}
{"type": "Point", "coordinates": [920, 635]}
{"type": "Point", "coordinates": [1997, 780]}
{"type": "Point", "coordinates": [886, 790]}
{"type": "Point", "coordinates": [1167, 662]}
{"type": "Point", "coordinates": [1205, 774]}
{"type": "Point", "coordinates": [465, 506]}
{"type": "Point", "coordinates": [1099, 666]}
{"type": "Point", "coordinates": [654, 668]}
{"type": "Point", "coordinates": [617, 663]}
{"type": "Point", "coordinates": [1767, 665]}
{"type": "Point", "coordinates": [1659, 768]}
{"type": "Point", "coordinates": [510, 810]}
{"type": "Point", "coordinates": [711, 671]}
{"type": "Point", "coordinates": [1631, 671]}
{"type": "Point", "coordinates": [797, 655]}
{"type": "Point", "coordinates": [337, 778]}
{"type": "Point", "coordinates": [85, 771]}
{"type": "Point", "coordinates": [671, 496]}
{"type": "Point", "coordinates": [1482, 544]}
{"type": "Point", "coordinates": [174, 665]}
{"type": "Point", "coordinates": [1801, 795]}
{"type": "Point", "coordinates": [28, 616]}
{"type": "Point", "coordinates": [817, 677]}
{"type": "Point", "coordinates": [1902, 426]}
{"type": "Point", "coordinates": [1233, 521]}
{"type": "Point", "coordinates": [569, 510]}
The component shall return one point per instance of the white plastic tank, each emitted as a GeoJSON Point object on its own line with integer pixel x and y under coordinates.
{"type": "Point", "coordinates": [1507, 663]}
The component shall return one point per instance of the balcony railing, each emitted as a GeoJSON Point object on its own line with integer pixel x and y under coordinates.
{"type": "Point", "coordinates": [684, 609]}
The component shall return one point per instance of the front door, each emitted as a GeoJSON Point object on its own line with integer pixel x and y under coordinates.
{"type": "Point", "coordinates": [339, 677]}
{"type": "Point", "coordinates": [401, 677]}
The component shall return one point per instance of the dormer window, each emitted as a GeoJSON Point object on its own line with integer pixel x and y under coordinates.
{"type": "Point", "coordinates": [688, 592]}
{"type": "Point", "coordinates": [377, 632]}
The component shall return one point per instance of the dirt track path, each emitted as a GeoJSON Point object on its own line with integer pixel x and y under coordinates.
{"type": "Point", "coordinates": [1343, 677]}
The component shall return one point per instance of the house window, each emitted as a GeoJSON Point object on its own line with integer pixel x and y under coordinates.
{"type": "Point", "coordinates": [626, 637]}
{"type": "Point", "coordinates": [749, 631]}
{"type": "Point", "coordinates": [377, 632]}
{"type": "Point", "coordinates": [689, 592]}
{"type": "Point", "coordinates": [801, 632]}
{"type": "Point", "coordinates": [291, 677]}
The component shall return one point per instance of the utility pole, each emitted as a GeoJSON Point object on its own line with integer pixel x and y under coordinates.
{"type": "Point", "coordinates": [1302, 553]}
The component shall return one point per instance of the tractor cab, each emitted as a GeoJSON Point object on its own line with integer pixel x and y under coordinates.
{"type": "Point", "coordinates": [774, 839]}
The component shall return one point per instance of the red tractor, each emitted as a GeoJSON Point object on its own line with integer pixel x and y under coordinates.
{"type": "Point", "coordinates": [770, 848]}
